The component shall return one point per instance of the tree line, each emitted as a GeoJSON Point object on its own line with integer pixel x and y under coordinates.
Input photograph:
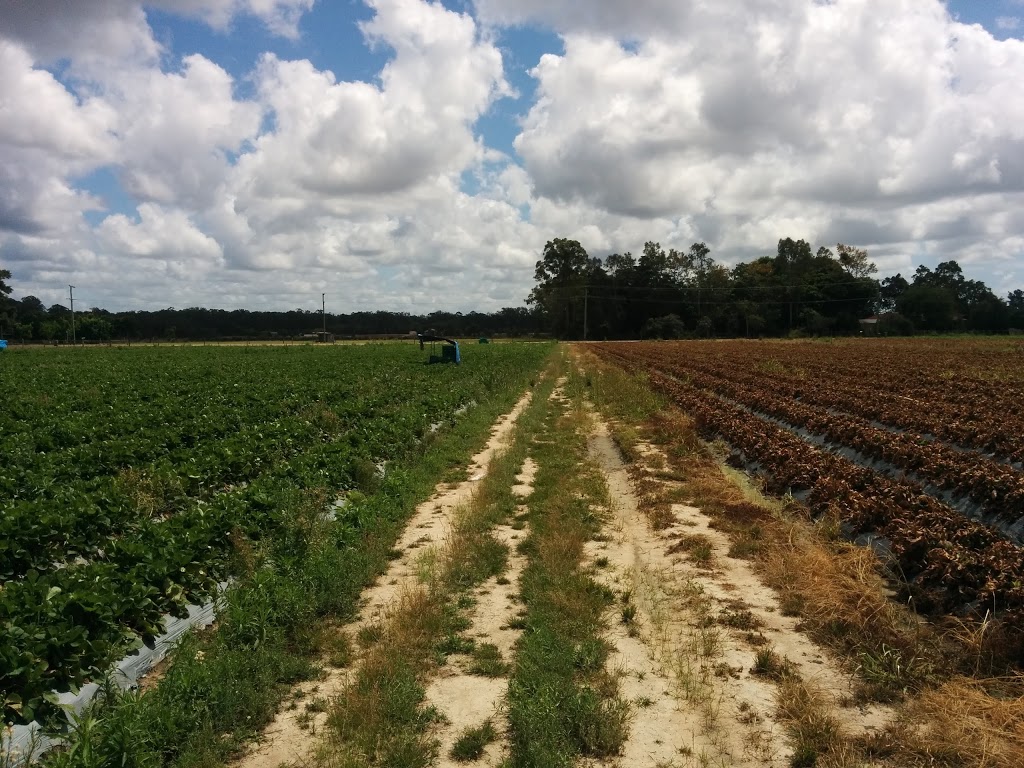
{"type": "Point", "coordinates": [658, 294]}
{"type": "Point", "coordinates": [29, 320]}
{"type": "Point", "coordinates": [797, 291]}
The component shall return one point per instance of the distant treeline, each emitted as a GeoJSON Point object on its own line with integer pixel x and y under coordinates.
{"type": "Point", "coordinates": [29, 320]}
{"type": "Point", "coordinates": [659, 294]}
{"type": "Point", "coordinates": [796, 291]}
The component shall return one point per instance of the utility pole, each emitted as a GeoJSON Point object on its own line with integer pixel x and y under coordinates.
{"type": "Point", "coordinates": [586, 289]}
{"type": "Point", "coordinates": [323, 311]}
{"type": "Point", "coordinates": [71, 290]}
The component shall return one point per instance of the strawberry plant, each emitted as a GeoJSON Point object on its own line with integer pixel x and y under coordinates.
{"type": "Point", "coordinates": [125, 474]}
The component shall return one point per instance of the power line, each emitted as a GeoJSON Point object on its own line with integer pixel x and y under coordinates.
{"type": "Point", "coordinates": [705, 302]}
{"type": "Point", "coordinates": [773, 287]}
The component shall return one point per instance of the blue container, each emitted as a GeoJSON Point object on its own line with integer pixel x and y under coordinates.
{"type": "Point", "coordinates": [3, 344]}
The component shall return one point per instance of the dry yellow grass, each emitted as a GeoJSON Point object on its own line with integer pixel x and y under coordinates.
{"type": "Point", "coordinates": [839, 583]}
{"type": "Point", "coordinates": [839, 591]}
{"type": "Point", "coordinates": [964, 722]}
{"type": "Point", "coordinates": [818, 737]}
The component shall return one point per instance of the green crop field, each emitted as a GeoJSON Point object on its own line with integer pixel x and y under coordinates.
{"type": "Point", "coordinates": [133, 481]}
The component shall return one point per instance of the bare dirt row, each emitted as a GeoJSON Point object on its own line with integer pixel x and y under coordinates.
{"type": "Point", "coordinates": [689, 655]}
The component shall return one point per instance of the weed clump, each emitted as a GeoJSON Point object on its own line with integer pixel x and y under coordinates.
{"type": "Point", "coordinates": [488, 661]}
{"type": "Point", "coordinates": [471, 744]}
{"type": "Point", "coordinates": [697, 547]}
{"type": "Point", "coordinates": [770, 664]}
{"type": "Point", "coordinates": [338, 648]}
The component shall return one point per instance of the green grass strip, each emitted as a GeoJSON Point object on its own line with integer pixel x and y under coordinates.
{"type": "Point", "coordinates": [563, 704]}
{"type": "Point", "coordinates": [381, 720]}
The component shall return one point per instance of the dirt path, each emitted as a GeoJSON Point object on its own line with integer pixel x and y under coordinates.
{"type": "Point", "coordinates": [692, 622]}
{"type": "Point", "coordinates": [292, 736]}
{"type": "Point", "coordinates": [686, 635]}
{"type": "Point", "coordinates": [466, 697]}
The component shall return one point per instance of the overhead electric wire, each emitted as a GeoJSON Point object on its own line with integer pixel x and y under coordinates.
{"type": "Point", "coordinates": [693, 302]}
{"type": "Point", "coordinates": [775, 287]}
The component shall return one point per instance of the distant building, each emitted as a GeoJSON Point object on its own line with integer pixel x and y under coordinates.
{"type": "Point", "coordinates": [869, 325]}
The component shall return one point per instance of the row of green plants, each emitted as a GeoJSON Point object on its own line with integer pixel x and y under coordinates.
{"type": "Point", "coordinates": [127, 438]}
{"type": "Point", "coordinates": [113, 546]}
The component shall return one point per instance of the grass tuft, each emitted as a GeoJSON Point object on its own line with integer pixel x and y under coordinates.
{"type": "Point", "coordinates": [697, 547]}
{"type": "Point", "coordinates": [818, 738]}
{"type": "Point", "coordinates": [488, 661]}
{"type": "Point", "coordinates": [338, 649]}
{"type": "Point", "coordinates": [740, 618]}
{"type": "Point", "coordinates": [768, 663]}
{"type": "Point", "coordinates": [472, 743]}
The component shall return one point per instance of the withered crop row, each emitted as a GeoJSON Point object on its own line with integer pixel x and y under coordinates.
{"type": "Point", "coordinates": [912, 392]}
{"type": "Point", "coordinates": [950, 564]}
{"type": "Point", "coordinates": [994, 486]}
{"type": "Point", "coordinates": [955, 371]}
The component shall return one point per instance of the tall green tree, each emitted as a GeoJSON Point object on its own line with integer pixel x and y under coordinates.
{"type": "Point", "coordinates": [561, 276]}
{"type": "Point", "coordinates": [1015, 305]}
{"type": "Point", "coordinates": [845, 291]}
{"type": "Point", "coordinates": [619, 310]}
{"type": "Point", "coordinates": [855, 261]}
{"type": "Point", "coordinates": [7, 315]}
{"type": "Point", "coordinates": [976, 307]}
{"type": "Point", "coordinates": [889, 292]}
{"type": "Point", "coordinates": [792, 260]}
{"type": "Point", "coordinates": [701, 264]}
{"type": "Point", "coordinates": [929, 306]}
{"type": "Point", "coordinates": [759, 289]}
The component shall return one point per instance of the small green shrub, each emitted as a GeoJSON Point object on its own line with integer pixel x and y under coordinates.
{"type": "Point", "coordinates": [471, 744]}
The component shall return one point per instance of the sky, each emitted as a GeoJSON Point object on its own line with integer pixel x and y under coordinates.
{"type": "Point", "coordinates": [416, 156]}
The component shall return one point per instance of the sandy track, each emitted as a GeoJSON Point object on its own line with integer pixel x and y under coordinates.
{"type": "Point", "coordinates": [689, 678]}
{"type": "Point", "coordinates": [465, 699]}
{"type": "Point", "coordinates": [288, 741]}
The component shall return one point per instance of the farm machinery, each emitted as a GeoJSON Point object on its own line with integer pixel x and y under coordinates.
{"type": "Point", "coordinates": [449, 348]}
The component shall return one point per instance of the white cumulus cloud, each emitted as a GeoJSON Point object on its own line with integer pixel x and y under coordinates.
{"type": "Point", "coordinates": [884, 123]}
{"type": "Point", "coordinates": [176, 128]}
{"type": "Point", "coordinates": [785, 119]}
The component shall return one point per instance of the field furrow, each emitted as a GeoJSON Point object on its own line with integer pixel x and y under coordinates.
{"type": "Point", "coordinates": [948, 563]}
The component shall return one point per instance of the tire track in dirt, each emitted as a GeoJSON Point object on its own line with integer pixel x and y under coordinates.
{"type": "Point", "coordinates": [466, 699]}
{"type": "Point", "coordinates": [291, 739]}
{"type": "Point", "coordinates": [696, 698]}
